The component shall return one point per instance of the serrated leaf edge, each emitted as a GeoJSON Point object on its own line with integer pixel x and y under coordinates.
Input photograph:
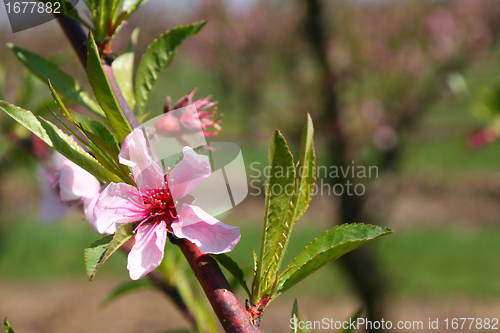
{"type": "Point", "coordinates": [388, 231]}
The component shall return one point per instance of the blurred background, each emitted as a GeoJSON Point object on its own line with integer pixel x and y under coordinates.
{"type": "Point", "coordinates": [409, 87]}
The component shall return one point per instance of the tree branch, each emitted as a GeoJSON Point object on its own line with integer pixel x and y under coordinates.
{"type": "Point", "coordinates": [76, 36]}
{"type": "Point", "coordinates": [78, 39]}
{"type": "Point", "coordinates": [131, 118]}
{"type": "Point", "coordinates": [233, 317]}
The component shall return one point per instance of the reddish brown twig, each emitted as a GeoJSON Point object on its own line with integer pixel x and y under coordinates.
{"type": "Point", "coordinates": [233, 317]}
{"type": "Point", "coordinates": [131, 118]}
{"type": "Point", "coordinates": [76, 36]}
{"type": "Point", "coordinates": [78, 39]}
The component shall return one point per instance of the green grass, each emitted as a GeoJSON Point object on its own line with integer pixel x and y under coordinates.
{"type": "Point", "coordinates": [442, 262]}
{"type": "Point", "coordinates": [449, 158]}
{"type": "Point", "coordinates": [32, 251]}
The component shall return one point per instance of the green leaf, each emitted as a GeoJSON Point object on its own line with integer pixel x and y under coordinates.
{"type": "Point", "coordinates": [306, 172]}
{"type": "Point", "coordinates": [93, 13]}
{"type": "Point", "coordinates": [279, 191]}
{"type": "Point", "coordinates": [157, 57]}
{"type": "Point", "coordinates": [101, 250]}
{"type": "Point", "coordinates": [27, 119]}
{"type": "Point", "coordinates": [71, 150]}
{"type": "Point", "coordinates": [354, 318]}
{"type": "Point", "coordinates": [72, 13]}
{"type": "Point", "coordinates": [95, 254]}
{"type": "Point", "coordinates": [123, 69]}
{"type": "Point", "coordinates": [103, 92]}
{"type": "Point", "coordinates": [302, 194]}
{"type": "Point", "coordinates": [58, 140]}
{"type": "Point", "coordinates": [6, 325]}
{"type": "Point", "coordinates": [255, 261]}
{"type": "Point", "coordinates": [61, 81]}
{"type": "Point", "coordinates": [329, 246]}
{"type": "Point", "coordinates": [295, 316]}
{"type": "Point", "coordinates": [100, 25]}
{"type": "Point", "coordinates": [130, 6]}
{"type": "Point", "coordinates": [128, 287]}
{"type": "Point", "coordinates": [107, 156]}
{"type": "Point", "coordinates": [233, 268]}
{"type": "Point", "coordinates": [104, 17]}
{"type": "Point", "coordinates": [99, 129]}
{"type": "Point", "coordinates": [115, 9]}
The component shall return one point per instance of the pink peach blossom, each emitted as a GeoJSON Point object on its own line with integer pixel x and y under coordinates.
{"type": "Point", "coordinates": [199, 118]}
{"type": "Point", "coordinates": [63, 184]}
{"type": "Point", "coordinates": [161, 204]}
{"type": "Point", "coordinates": [76, 184]}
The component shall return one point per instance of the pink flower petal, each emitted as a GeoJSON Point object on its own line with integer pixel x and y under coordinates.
{"type": "Point", "coordinates": [76, 183]}
{"type": "Point", "coordinates": [134, 153]}
{"type": "Point", "coordinates": [188, 173]}
{"type": "Point", "coordinates": [208, 233]}
{"type": "Point", "coordinates": [118, 203]}
{"type": "Point", "coordinates": [51, 207]}
{"type": "Point", "coordinates": [57, 160]}
{"type": "Point", "coordinates": [88, 210]}
{"type": "Point", "coordinates": [147, 252]}
{"type": "Point", "coordinates": [151, 178]}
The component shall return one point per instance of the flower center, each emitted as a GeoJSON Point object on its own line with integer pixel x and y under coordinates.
{"type": "Point", "coordinates": [160, 205]}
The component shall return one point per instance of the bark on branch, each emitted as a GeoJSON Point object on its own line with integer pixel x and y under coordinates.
{"type": "Point", "coordinates": [78, 39]}
{"type": "Point", "coordinates": [233, 317]}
